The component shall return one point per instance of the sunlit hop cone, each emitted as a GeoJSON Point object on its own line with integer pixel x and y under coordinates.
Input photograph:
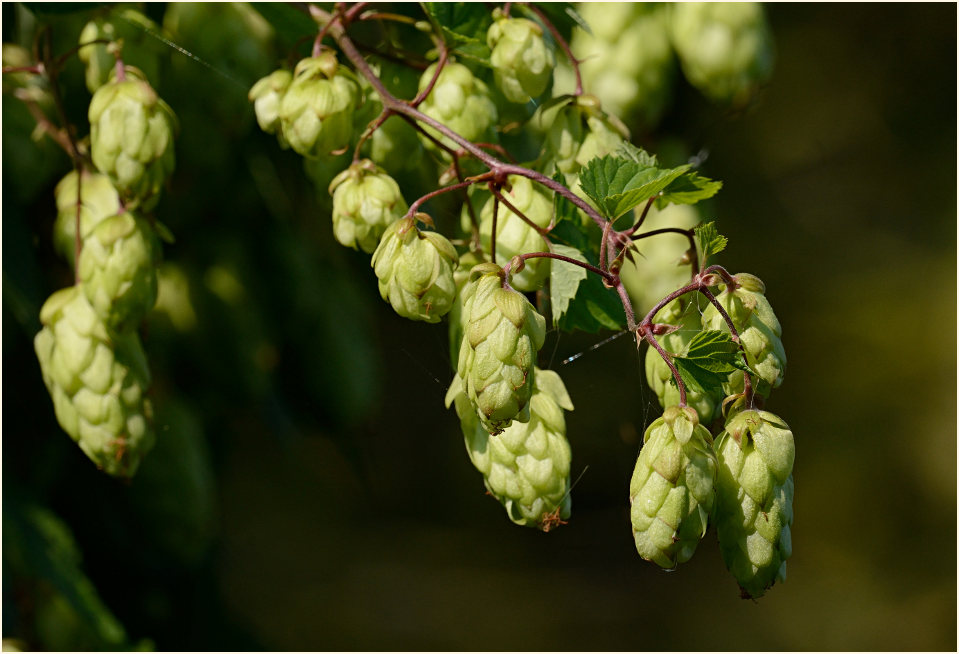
{"type": "Point", "coordinates": [117, 270]}
{"type": "Point", "coordinates": [98, 201]}
{"type": "Point", "coordinates": [672, 489]}
{"type": "Point", "coordinates": [726, 48]}
{"type": "Point", "coordinates": [514, 235]}
{"type": "Point", "coordinates": [316, 110]}
{"type": "Point", "coordinates": [98, 380]}
{"type": "Point", "coordinates": [581, 131]}
{"type": "Point", "coordinates": [128, 32]}
{"type": "Point", "coordinates": [365, 202]}
{"type": "Point", "coordinates": [415, 271]}
{"type": "Point", "coordinates": [503, 334]}
{"type": "Point", "coordinates": [754, 489]}
{"type": "Point", "coordinates": [266, 96]}
{"type": "Point", "coordinates": [759, 332]}
{"type": "Point", "coordinates": [526, 467]}
{"type": "Point", "coordinates": [522, 62]}
{"type": "Point", "coordinates": [131, 137]}
{"type": "Point", "coordinates": [683, 313]}
{"type": "Point", "coordinates": [460, 101]}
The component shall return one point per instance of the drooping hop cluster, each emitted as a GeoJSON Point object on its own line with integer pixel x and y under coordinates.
{"type": "Point", "coordinates": [502, 336]}
{"type": "Point", "coordinates": [98, 200]}
{"type": "Point", "coordinates": [365, 202]}
{"type": "Point", "coordinates": [458, 100]}
{"type": "Point", "coordinates": [759, 332]}
{"type": "Point", "coordinates": [514, 235]}
{"type": "Point", "coordinates": [754, 511]}
{"type": "Point", "coordinates": [316, 110]}
{"type": "Point", "coordinates": [580, 131]}
{"type": "Point", "coordinates": [522, 62]}
{"type": "Point", "coordinates": [98, 380]}
{"type": "Point", "coordinates": [526, 466]}
{"type": "Point", "coordinates": [415, 271]}
{"type": "Point", "coordinates": [672, 489]}
{"type": "Point", "coordinates": [131, 137]}
{"type": "Point", "coordinates": [725, 48]}
{"type": "Point", "coordinates": [126, 30]}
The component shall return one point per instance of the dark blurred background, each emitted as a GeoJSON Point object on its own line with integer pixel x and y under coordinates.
{"type": "Point", "coordinates": [309, 490]}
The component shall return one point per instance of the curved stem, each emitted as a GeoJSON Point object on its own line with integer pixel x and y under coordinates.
{"type": "Point", "coordinates": [560, 257]}
{"type": "Point", "coordinates": [688, 233]}
{"type": "Point", "coordinates": [509, 205]}
{"type": "Point", "coordinates": [649, 338]}
{"type": "Point", "coordinates": [422, 95]}
{"type": "Point", "coordinates": [639, 223]}
{"type": "Point", "coordinates": [368, 133]}
{"type": "Point", "coordinates": [440, 191]}
{"type": "Point", "coordinates": [492, 234]}
{"type": "Point", "coordinates": [747, 381]}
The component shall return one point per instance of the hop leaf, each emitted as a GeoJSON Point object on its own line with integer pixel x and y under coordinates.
{"type": "Point", "coordinates": [522, 63]}
{"type": "Point", "coordinates": [415, 271]}
{"type": "Point", "coordinates": [671, 492]}
{"type": "Point", "coordinates": [365, 202]}
{"type": "Point", "coordinates": [316, 110]}
{"type": "Point", "coordinates": [503, 334]}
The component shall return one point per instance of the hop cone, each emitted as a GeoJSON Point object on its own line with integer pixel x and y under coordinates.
{"type": "Point", "coordinates": [503, 334]}
{"type": "Point", "coordinates": [365, 202]}
{"type": "Point", "coordinates": [522, 63]}
{"type": "Point", "coordinates": [683, 313]}
{"type": "Point", "coordinates": [131, 137]}
{"type": "Point", "coordinates": [514, 235]}
{"type": "Point", "coordinates": [672, 490]}
{"type": "Point", "coordinates": [759, 332]}
{"type": "Point", "coordinates": [117, 269]}
{"type": "Point", "coordinates": [98, 380]}
{"type": "Point", "coordinates": [725, 48]}
{"type": "Point", "coordinates": [127, 26]}
{"type": "Point", "coordinates": [98, 200]}
{"type": "Point", "coordinates": [460, 101]}
{"type": "Point", "coordinates": [415, 271]}
{"type": "Point", "coordinates": [754, 491]}
{"type": "Point", "coordinates": [316, 112]}
{"type": "Point", "coordinates": [266, 96]}
{"type": "Point", "coordinates": [457, 319]}
{"type": "Point", "coordinates": [580, 131]}
{"type": "Point", "coordinates": [525, 467]}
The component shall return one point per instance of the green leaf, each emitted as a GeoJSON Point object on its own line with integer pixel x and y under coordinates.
{"type": "Point", "coordinates": [688, 189]}
{"type": "Point", "coordinates": [564, 279]}
{"type": "Point", "coordinates": [618, 185]}
{"type": "Point", "coordinates": [594, 307]}
{"type": "Point", "coordinates": [572, 228]}
{"type": "Point", "coordinates": [712, 350]}
{"type": "Point", "coordinates": [464, 26]}
{"type": "Point", "coordinates": [637, 155]}
{"type": "Point", "coordinates": [696, 378]}
{"type": "Point", "coordinates": [710, 241]}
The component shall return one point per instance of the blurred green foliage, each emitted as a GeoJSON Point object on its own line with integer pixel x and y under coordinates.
{"type": "Point", "coordinates": [308, 489]}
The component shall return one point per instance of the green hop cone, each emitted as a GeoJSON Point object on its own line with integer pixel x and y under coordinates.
{"type": "Point", "coordinates": [759, 331]}
{"type": "Point", "coordinates": [725, 48]}
{"type": "Point", "coordinates": [514, 235]}
{"type": "Point", "coordinates": [98, 201]}
{"type": "Point", "coordinates": [365, 202]}
{"type": "Point", "coordinates": [503, 334]}
{"type": "Point", "coordinates": [684, 314]}
{"type": "Point", "coordinates": [457, 319]}
{"type": "Point", "coordinates": [754, 494]}
{"type": "Point", "coordinates": [131, 138]}
{"type": "Point", "coordinates": [97, 380]}
{"type": "Point", "coordinates": [122, 27]}
{"type": "Point", "coordinates": [415, 271]}
{"type": "Point", "coordinates": [266, 96]}
{"type": "Point", "coordinates": [316, 112]}
{"type": "Point", "coordinates": [672, 490]}
{"type": "Point", "coordinates": [579, 131]}
{"type": "Point", "coordinates": [522, 62]}
{"type": "Point", "coordinates": [526, 467]}
{"type": "Point", "coordinates": [460, 101]}
{"type": "Point", "coordinates": [117, 270]}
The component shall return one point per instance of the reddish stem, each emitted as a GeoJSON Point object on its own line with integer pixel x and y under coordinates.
{"type": "Point", "coordinates": [509, 205]}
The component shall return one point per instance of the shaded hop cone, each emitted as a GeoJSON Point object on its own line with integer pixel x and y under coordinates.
{"type": "Point", "coordinates": [457, 319]}
{"type": "Point", "coordinates": [672, 490]}
{"type": "Point", "coordinates": [266, 96]}
{"type": "Point", "coordinates": [754, 494]}
{"type": "Point", "coordinates": [581, 131]}
{"type": "Point", "coordinates": [365, 202]}
{"type": "Point", "coordinates": [122, 26]}
{"type": "Point", "coordinates": [683, 313]}
{"type": "Point", "coordinates": [526, 466]}
{"type": "Point", "coordinates": [514, 235]}
{"type": "Point", "coordinates": [117, 270]}
{"type": "Point", "coordinates": [316, 112]}
{"type": "Point", "coordinates": [522, 62]}
{"type": "Point", "coordinates": [98, 201]}
{"type": "Point", "coordinates": [131, 137]}
{"type": "Point", "coordinates": [725, 48]}
{"type": "Point", "coordinates": [460, 101]}
{"type": "Point", "coordinates": [415, 271]}
{"type": "Point", "coordinates": [503, 334]}
{"type": "Point", "coordinates": [759, 331]}
{"type": "Point", "coordinates": [97, 380]}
